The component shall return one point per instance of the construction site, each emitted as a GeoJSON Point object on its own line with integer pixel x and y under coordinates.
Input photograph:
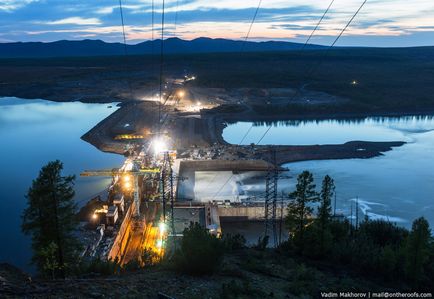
{"type": "Point", "coordinates": [171, 137]}
{"type": "Point", "coordinates": [144, 208]}
{"type": "Point", "coordinates": [170, 143]}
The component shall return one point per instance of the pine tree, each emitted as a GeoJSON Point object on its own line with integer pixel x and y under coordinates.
{"type": "Point", "coordinates": [417, 249]}
{"type": "Point", "coordinates": [299, 211]}
{"type": "Point", "coordinates": [325, 209]}
{"type": "Point", "coordinates": [50, 218]}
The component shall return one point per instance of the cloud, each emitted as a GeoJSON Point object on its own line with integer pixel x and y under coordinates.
{"type": "Point", "coordinates": [74, 21]}
{"type": "Point", "coordinates": [11, 5]}
{"type": "Point", "coordinates": [277, 20]}
{"type": "Point", "coordinates": [105, 10]}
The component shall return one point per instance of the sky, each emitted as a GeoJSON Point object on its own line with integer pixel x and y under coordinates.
{"type": "Point", "coordinates": [383, 23]}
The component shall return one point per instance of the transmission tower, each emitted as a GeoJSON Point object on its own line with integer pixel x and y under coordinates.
{"type": "Point", "coordinates": [166, 183]}
{"type": "Point", "coordinates": [271, 197]}
{"type": "Point", "coordinates": [167, 190]}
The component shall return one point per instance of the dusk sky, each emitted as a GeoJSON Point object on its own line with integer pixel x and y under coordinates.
{"type": "Point", "coordinates": [380, 23]}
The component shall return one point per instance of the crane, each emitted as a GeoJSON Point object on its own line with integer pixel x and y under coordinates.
{"type": "Point", "coordinates": [129, 168]}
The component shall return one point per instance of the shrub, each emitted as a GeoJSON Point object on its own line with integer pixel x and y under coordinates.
{"type": "Point", "coordinates": [304, 281]}
{"type": "Point", "coordinates": [149, 257]}
{"type": "Point", "coordinates": [201, 253]}
{"type": "Point", "coordinates": [383, 233]}
{"type": "Point", "coordinates": [98, 266]}
{"type": "Point", "coordinates": [262, 243]}
{"type": "Point", "coordinates": [234, 242]}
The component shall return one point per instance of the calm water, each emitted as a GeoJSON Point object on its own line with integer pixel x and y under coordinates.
{"type": "Point", "coordinates": [398, 186]}
{"type": "Point", "coordinates": [33, 132]}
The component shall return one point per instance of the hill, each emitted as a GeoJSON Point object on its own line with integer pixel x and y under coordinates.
{"type": "Point", "coordinates": [65, 48]}
{"type": "Point", "coordinates": [245, 273]}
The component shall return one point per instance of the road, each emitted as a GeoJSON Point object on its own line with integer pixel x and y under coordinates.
{"type": "Point", "coordinates": [144, 235]}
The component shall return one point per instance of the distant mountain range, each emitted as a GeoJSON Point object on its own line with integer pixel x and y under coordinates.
{"type": "Point", "coordinates": [65, 48]}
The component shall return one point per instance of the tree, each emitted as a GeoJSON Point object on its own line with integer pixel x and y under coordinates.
{"type": "Point", "coordinates": [325, 210]}
{"type": "Point", "coordinates": [417, 249]}
{"type": "Point", "coordinates": [50, 254]}
{"type": "Point", "coordinates": [50, 218]}
{"type": "Point", "coordinates": [200, 253]}
{"type": "Point", "coordinates": [299, 211]}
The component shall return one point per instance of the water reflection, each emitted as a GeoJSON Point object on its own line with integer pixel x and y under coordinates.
{"type": "Point", "coordinates": [398, 186]}
{"type": "Point", "coordinates": [329, 131]}
{"type": "Point", "coordinates": [33, 132]}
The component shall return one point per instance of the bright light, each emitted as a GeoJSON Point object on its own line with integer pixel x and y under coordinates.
{"type": "Point", "coordinates": [159, 243]}
{"type": "Point", "coordinates": [127, 178]}
{"type": "Point", "coordinates": [159, 146]}
{"type": "Point", "coordinates": [162, 227]}
{"type": "Point", "coordinates": [199, 103]}
{"type": "Point", "coordinates": [94, 216]}
{"type": "Point", "coordinates": [127, 185]}
{"type": "Point", "coordinates": [181, 93]}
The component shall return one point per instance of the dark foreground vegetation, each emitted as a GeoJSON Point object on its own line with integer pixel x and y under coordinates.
{"type": "Point", "coordinates": [388, 80]}
{"type": "Point", "coordinates": [323, 254]}
{"type": "Point", "coordinates": [237, 272]}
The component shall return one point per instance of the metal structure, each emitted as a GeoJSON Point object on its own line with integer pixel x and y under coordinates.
{"type": "Point", "coordinates": [135, 172]}
{"type": "Point", "coordinates": [271, 198]}
{"type": "Point", "coordinates": [166, 183]}
{"type": "Point", "coordinates": [167, 190]}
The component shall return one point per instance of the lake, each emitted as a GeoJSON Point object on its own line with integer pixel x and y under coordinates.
{"type": "Point", "coordinates": [398, 186]}
{"type": "Point", "coordinates": [32, 133]}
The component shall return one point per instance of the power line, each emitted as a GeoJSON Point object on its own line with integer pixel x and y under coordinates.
{"type": "Point", "coordinates": [163, 120]}
{"type": "Point", "coordinates": [310, 36]}
{"type": "Point", "coordinates": [125, 44]}
{"type": "Point", "coordinates": [152, 28]}
{"type": "Point", "coordinates": [317, 25]}
{"type": "Point", "coordinates": [302, 49]}
{"type": "Point", "coordinates": [123, 27]}
{"type": "Point", "coordinates": [251, 25]}
{"type": "Point", "coordinates": [313, 69]}
{"type": "Point", "coordinates": [263, 135]}
{"type": "Point", "coordinates": [161, 67]}
{"type": "Point", "coordinates": [176, 17]}
{"type": "Point", "coordinates": [221, 188]}
{"type": "Point", "coordinates": [247, 133]}
{"type": "Point", "coordinates": [327, 51]}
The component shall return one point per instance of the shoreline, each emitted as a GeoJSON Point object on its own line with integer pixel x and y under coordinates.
{"type": "Point", "coordinates": [210, 139]}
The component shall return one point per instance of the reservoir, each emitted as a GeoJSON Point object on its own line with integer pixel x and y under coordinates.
{"type": "Point", "coordinates": [32, 133]}
{"type": "Point", "coordinates": [398, 186]}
